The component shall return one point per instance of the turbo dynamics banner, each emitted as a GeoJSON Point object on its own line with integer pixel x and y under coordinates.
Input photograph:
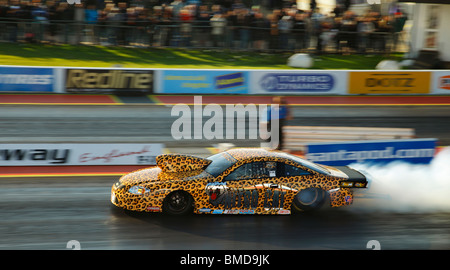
{"type": "Point", "coordinates": [78, 154]}
{"type": "Point", "coordinates": [299, 82]}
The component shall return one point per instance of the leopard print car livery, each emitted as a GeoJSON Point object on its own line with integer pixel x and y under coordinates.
{"type": "Point", "coordinates": [238, 181]}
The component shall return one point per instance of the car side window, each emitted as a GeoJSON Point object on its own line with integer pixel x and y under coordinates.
{"type": "Point", "coordinates": [290, 170]}
{"type": "Point", "coordinates": [237, 174]}
{"type": "Point", "coordinates": [253, 170]}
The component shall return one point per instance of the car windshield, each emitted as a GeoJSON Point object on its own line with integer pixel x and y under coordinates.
{"type": "Point", "coordinates": [220, 162]}
{"type": "Point", "coordinates": [310, 165]}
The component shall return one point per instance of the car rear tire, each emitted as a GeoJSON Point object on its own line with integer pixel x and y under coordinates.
{"type": "Point", "coordinates": [178, 203]}
{"type": "Point", "coordinates": [309, 199]}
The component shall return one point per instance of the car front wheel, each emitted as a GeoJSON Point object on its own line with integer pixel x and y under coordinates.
{"type": "Point", "coordinates": [178, 203]}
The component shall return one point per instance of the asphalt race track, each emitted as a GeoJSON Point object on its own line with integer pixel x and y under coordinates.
{"type": "Point", "coordinates": [46, 213]}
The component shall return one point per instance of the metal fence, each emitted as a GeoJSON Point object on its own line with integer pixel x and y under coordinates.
{"type": "Point", "coordinates": [197, 35]}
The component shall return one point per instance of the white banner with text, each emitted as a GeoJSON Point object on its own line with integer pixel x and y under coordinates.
{"type": "Point", "coordinates": [79, 154]}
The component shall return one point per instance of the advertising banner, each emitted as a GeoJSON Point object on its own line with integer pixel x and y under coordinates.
{"type": "Point", "coordinates": [441, 82]}
{"type": "Point", "coordinates": [78, 154]}
{"type": "Point", "coordinates": [109, 80]}
{"type": "Point", "coordinates": [387, 82]}
{"type": "Point", "coordinates": [203, 82]}
{"type": "Point", "coordinates": [417, 151]}
{"type": "Point", "coordinates": [26, 79]}
{"type": "Point", "coordinates": [299, 82]}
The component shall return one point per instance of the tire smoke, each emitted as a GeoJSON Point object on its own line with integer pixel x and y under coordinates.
{"type": "Point", "coordinates": [405, 187]}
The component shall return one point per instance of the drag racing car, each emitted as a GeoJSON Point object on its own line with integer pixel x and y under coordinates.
{"type": "Point", "coordinates": [237, 181]}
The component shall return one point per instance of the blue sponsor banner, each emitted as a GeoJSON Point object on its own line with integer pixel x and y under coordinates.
{"type": "Point", "coordinates": [25, 79]}
{"type": "Point", "coordinates": [301, 82]}
{"type": "Point", "coordinates": [416, 151]}
{"type": "Point", "coordinates": [204, 82]}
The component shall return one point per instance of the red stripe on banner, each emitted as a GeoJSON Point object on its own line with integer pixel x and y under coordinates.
{"type": "Point", "coordinates": [56, 99]}
{"type": "Point", "coordinates": [28, 171]}
{"type": "Point", "coordinates": [312, 100]}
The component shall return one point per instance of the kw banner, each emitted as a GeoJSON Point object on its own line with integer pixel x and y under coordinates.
{"type": "Point", "coordinates": [419, 151]}
{"type": "Point", "coordinates": [26, 79]}
{"type": "Point", "coordinates": [203, 82]}
{"type": "Point", "coordinates": [299, 82]}
{"type": "Point", "coordinates": [388, 82]}
{"type": "Point", "coordinates": [78, 154]}
{"type": "Point", "coordinates": [109, 80]}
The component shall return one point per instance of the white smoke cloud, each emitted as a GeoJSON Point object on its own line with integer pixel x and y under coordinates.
{"type": "Point", "coordinates": [405, 187]}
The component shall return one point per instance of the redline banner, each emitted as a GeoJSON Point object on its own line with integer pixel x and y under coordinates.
{"type": "Point", "coordinates": [79, 154]}
{"type": "Point", "coordinates": [109, 80]}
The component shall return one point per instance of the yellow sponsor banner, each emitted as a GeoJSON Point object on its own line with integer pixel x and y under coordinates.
{"type": "Point", "coordinates": [387, 82]}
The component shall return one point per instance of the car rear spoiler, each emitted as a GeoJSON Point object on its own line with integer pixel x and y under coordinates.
{"type": "Point", "coordinates": [355, 178]}
{"type": "Point", "coordinates": [172, 163]}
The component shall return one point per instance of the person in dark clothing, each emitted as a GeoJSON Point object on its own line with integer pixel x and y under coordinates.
{"type": "Point", "coordinates": [269, 122]}
{"type": "Point", "coordinates": [300, 31]}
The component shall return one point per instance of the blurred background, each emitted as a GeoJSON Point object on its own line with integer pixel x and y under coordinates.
{"type": "Point", "coordinates": [351, 26]}
{"type": "Point", "coordinates": [44, 207]}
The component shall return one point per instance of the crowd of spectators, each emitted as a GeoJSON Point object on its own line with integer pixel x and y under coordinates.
{"type": "Point", "coordinates": [190, 23]}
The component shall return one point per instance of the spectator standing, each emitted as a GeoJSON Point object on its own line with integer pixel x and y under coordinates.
{"type": "Point", "coordinates": [39, 14]}
{"type": "Point", "coordinates": [218, 24]}
{"type": "Point", "coordinates": [348, 30]}
{"type": "Point", "coordinates": [4, 24]}
{"type": "Point", "coordinates": [113, 20]}
{"type": "Point", "coordinates": [131, 26]}
{"type": "Point", "coordinates": [230, 16]}
{"type": "Point", "coordinates": [186, 19]}
{"type": "Point", "coordinates": [260, 31]}
{"type": "Point", "coordinates": [365, 28]}
{"type": "Point", "coordinates": [316, 19]}
{"type": "Point", "coordinates": [399, 24]}
{"type": "Point", "coordinates": [65, 16]}
{"type": "Point", "coordinates": [203, 26]}
{"type": "Point", "coordinates": [53, 18]}
{"type": "Point", "coordinates": [273, 41]}
{"type": "Point", "coordinates": [300, 31]}
{"type": "Point", "coordinates": [284, 27]}
{"type": "Point", "coordinates": [122, 21]}
{"type": "Point", "coordinates": [79, 18]}
{"type": "Point", "coordinates": [13, 15]}
{"type": "Point", "coordinates": [243, 20]}
{"type": "Point", "coordinates": [383, 30]}
{"type": "Point", "coordinates": [91, 18]}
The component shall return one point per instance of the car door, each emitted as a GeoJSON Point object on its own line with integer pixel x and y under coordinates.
{"type": "Point", "coordinates": [241, 191]}
{"type": "Point", "coordinates": [279, 191]}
